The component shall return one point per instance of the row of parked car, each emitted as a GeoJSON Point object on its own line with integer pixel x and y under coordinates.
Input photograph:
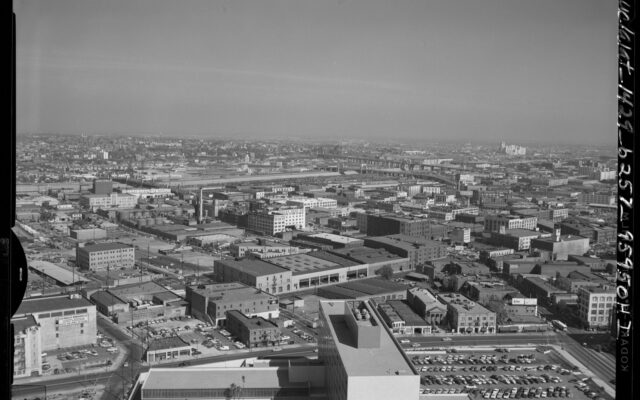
{"type": "Point", "coordinates": [526, 379]}
{"type": "Point", "coordinates": [76, 355]}
{"type": "Point", "coordinates": [525, 392]}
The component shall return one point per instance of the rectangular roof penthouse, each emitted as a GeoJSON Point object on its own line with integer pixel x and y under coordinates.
{"type": "Point", "coordinates": [384, 360]}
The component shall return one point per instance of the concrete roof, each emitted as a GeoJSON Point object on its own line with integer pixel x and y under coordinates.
{"type": "Point", "coordinates": [407, 314]}
{"type": "Point", "coordinates": [335, 238]}
{"type": "Point", "coordinates": [385, 360]}
{"type": "Point", "coordinates": [218, 378]}
{"type": "Point", "coordinates": [235, 291]}
{"type": "Point", "coordinates": [367, 255]}
{"type": "Point", "coordinates": [170, 342]}
{"type": "Point", "coordinates": [105, 246]}
{"type": "Point", "coordinates": [106, 298]}
{"type": "Point", "coordinates": [56, 272]}
{"type": "Point", "coordinates": [51, 303]}
{"type": "Point", "coordinates": [22, 323]}
{"type": "Point", "coordinates": [255, 267]}
{"type": "Point", "coordinates": [302, 263]}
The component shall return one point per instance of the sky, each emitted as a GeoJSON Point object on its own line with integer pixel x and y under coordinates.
{"type": "Point", "coordinates": [489, 70]}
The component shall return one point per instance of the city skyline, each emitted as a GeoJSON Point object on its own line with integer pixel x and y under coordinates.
{"type": "Point", "coordinates": [455, 71]}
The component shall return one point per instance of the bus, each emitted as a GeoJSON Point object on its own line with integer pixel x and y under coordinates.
{"type": "Point", "coordinates": [559, 324]}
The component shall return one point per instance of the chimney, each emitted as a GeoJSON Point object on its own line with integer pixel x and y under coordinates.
{"type": "Point", "coordinates": [503, 229]}
{"type": "Point", "coordinates": [556, 235]}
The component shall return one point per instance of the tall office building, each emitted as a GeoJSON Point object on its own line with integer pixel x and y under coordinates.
{"type": "Point", "coordinates": [362, 359]}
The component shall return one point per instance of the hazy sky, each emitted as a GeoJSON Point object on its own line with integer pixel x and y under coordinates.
{"type": "Point", "coordinates": [448, 69]}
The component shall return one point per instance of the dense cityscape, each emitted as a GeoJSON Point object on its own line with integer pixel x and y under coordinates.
{"type": "Point", "coordinates": [189, 268]}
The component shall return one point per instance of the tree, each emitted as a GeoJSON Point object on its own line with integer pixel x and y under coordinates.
{"type": "Point", "coordinates": [386, 272]}
{"type": "Point", "coordinates": [233, 392]}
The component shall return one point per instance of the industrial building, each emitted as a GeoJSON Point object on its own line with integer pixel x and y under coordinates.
{"type": "Point", "coordinates": [426, 305]}
{"type": "Point", "coordinates": [493, 223]}
{"type": "Point", "coordinates": [211, 303]}
{"type": "Point", "coordinates": [419, 250]}
{"type": "Point", "coordinates": [166, 348]}
{"type": "Point", "coordinates": [559, 247]}
{"type": "Point", "coordinates": [104, 256]}
{"type": "Point", "coordinates": [261, 379]}
{"type": "Point", "coordinates": [252, 331]}
{"type": "Point", "coordinates": [95, 201]}
{"type": "Point", "coordinates": [596, 305]}
{"type": "Point", "coordinates": [362, 359]}
{"type": "Point", "coordinates": [132, 303]}
{"type": "Point", "coordinates": [27, 347]}
{"type": "Point", "coordinates": [291, 273]}
{"type": "Point", "coordinates": [270, 222]}
{"type": "Point", "coordinates": [377, 289]}
{"type": "Point", "coordinates": [516, 239]}
{"type": "Point", "coordinates": [65, 320]}
{"type": "Point", "coordinates": [466, 316]}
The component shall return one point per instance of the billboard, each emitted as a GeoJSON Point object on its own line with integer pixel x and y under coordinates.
{"type": "Point", "coordinates": [524, 302]}
{"type": "Point", "coordinates": [73, 320]}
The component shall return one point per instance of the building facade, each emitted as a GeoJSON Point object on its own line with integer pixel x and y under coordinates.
{"type": "Point", "coordinates": [27, 344]}
{"type": "Point", "coordinates": [65, 321]}
{"type": "Point", "coordinates": [105, 255]}
{"type": "Point", "coordinates": [596, 306]}
{"type": "Point", "coordinates": [252, 332]}
{"type": "Point", "coordinates": [211, 303]}
{"type": "Point", "coordinates": [466, 316]}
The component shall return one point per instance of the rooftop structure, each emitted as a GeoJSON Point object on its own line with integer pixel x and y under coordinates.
{"type": "Point", "coordinates": [362, 359]}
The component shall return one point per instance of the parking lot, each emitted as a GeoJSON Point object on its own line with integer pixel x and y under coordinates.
{"type": "Point", "coordinates": [205, 339]}
{"type": "Point", "coordinates": [501, 374]}
{"type": "Point", "coordinates": [81, 359]}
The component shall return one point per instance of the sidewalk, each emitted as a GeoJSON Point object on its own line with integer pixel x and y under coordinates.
{"type": "Point", "coordinates": [122, 355]}
{"type": "Point", "coordinates": [585, 370]}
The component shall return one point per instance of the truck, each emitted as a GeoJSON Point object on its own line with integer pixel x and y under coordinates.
{"type": "Point", "coordinates": [559, 325]}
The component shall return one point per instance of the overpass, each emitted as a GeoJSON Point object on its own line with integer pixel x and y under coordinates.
{"type": "Point", "coordinates": [405, 164]}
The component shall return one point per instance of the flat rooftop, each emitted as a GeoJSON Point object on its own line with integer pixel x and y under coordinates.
{"type": "Point", "coordinates": [56, 272]}
{"type": "Point", "coordinates": [254, 267]}
{"type": "Point", "coordinates": [105, 247]}
{"type": "Point", "coordinates": [251, 323]}
{"type": "Point", "coordinates": [302, 263]}
{"type": "Point", "coordinates": [367, 255]}
{"type": "Point", "coordinates": [563, 238]}
{"type": "Point", "coordinates": [407, 314]}
{"type": "Point", "coordinates": [218, 378]}
{"type": "Point", "coordinates": [383, 361]}
{"type": "Point", "coordinates": [406, 241]}
{"type": "Point", "coordinates": [51, 303]}
{"type": "Point", "coordinates": [523, 233]}
{"type": "Point", "coordinates": [235, 291]}
{"type": "Point", "coordinates": [335, 238]}
{"type": "Point", "coordinates": [171, 342]}
{"type": "Point", "coordinates": [341, 261]}
{"type": "Point", "coordinates": [462, 304]}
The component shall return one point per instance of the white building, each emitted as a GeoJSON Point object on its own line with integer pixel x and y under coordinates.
{"type": "Point", "coordinates": [272, 222]}
{"type": "Point", "coordinates": [121, 200]}
{"type": "Point", "coordinates": [27, 360]}
{"type": "Point", "coordinates": [312, 202]}
{"type": "Point", "coordinates": [596, 306]}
